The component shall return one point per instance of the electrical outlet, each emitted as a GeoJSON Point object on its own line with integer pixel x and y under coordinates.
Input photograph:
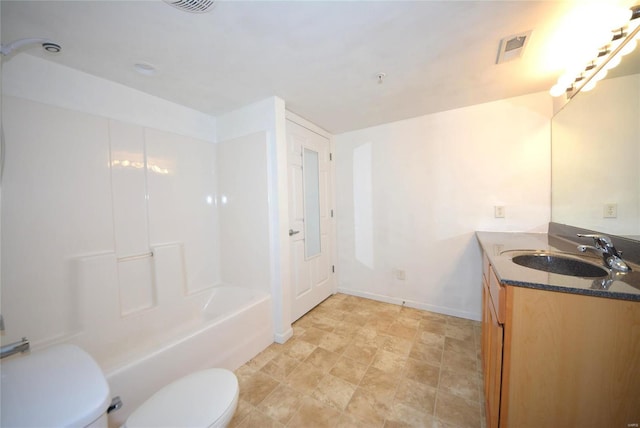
{"type": "Point", "coordinates": [498, 211]}
{"type": "Point", "coordinates": [399, 274]}
{"type": "Point", "coordinates": [610, 211]}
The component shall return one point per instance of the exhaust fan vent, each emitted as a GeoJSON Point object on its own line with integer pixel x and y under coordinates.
{"type": "Point", "coordinates": [512, 47]}
{"type": "Point", "coordinates": [193, 6]}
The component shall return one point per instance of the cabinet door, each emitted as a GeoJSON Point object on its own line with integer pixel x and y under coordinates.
{"type": "Point", "coordinates": [495, 368]}
{"type": "Point", "coordinates": [486, 336]}
{"type": "Point", "coordinates": [492, 340]}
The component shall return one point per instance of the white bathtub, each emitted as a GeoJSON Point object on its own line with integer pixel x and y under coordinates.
{"type": "Point", "coordinates": [236, 324]}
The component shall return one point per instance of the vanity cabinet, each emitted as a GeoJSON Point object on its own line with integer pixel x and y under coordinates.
{"type": "Point", "coordinates": [553, 359]}
{"type": "Point", "coordinates": [492, 341]}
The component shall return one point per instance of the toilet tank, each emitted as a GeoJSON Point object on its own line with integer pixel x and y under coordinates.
{"type": "Point", "coordinates": [60, 386]}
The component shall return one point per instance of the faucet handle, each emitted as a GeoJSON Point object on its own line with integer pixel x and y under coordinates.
{"type": "Point", "coordinates": [601, 241]}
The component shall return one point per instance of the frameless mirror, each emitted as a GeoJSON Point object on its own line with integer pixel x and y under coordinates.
{"type": "Point", "coordinates": [311, 183]}
{"type": "Point", "coordinates": [595, 163]}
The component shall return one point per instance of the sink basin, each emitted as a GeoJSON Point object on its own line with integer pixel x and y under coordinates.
{"type": "Point", "coordinates": [560, 264]}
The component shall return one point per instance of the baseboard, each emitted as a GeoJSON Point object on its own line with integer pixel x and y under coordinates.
{"type": "Point", "coordinates": [413, 304]}
{"type": "Point", "coordinates": [283, 337]}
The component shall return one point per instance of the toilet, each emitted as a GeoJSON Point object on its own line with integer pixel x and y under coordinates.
{"type": "Point", "coordinates": [60, 386]}
{"type": "Point", "coordinates": [63, 386]}
{"type": "Point", "coordinates": [206, 398]}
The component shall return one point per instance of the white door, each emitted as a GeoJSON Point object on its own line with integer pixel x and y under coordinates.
{"type": "Point", "coordinates": [309, 217]}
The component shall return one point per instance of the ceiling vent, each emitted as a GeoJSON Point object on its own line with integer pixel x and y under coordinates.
{"type": "Point", "coordinates": [512, 47]}
{"type": "Point", "coordinates": [192, 6]}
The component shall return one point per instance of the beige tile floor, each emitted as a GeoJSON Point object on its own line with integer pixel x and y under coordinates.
{"type": "Point", "coordinates": [355, 362]}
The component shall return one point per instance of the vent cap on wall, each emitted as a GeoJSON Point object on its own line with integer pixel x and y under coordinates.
{"type": "Point", "coordinates": [512, 47]}
{"type": "Point", "coordinates": [193, 6]}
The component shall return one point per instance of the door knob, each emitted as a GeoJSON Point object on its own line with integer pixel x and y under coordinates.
{"type": "Point", "coordinates": [293, 232]}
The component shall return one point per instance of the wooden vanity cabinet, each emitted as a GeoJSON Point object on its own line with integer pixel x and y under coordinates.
{"type": "Point", "coordinates": [556, 359]}
{"type": "Point", "coordinates": [492, 343]}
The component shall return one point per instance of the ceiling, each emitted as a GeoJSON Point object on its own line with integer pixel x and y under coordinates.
{"type": "Point", "coordinates": [321, 57]}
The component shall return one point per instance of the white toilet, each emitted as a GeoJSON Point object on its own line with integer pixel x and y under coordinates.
{"type": "Point", "coordinates": [63, 386]}
{"type": "Point", "coordinates": [207, 398]}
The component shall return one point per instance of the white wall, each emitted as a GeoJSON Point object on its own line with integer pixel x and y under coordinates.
{"type": "Point", "coordinates": [95, 173]}
{"type": "Point", "coordinates": [267, 118]}
{"type": "Point", "coordinates": [1, 157]}
{"type": "Point", "coordinates": [411, 194]}
{"type": "Point", "coordinates": [244, 211]}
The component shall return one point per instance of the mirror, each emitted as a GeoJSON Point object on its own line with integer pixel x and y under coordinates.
{"type": "Point", "coordinates": [595, 160]}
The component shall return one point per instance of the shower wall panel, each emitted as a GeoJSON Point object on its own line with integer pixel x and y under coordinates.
{"type": "Point", "coordinates": [129, 188]}
{"type": "Point", "coordinates": [183, 200]}
{"type": "Point", "coordinates": [86, 201]}
{"type": "Point", "coordinates": [244, 210]}
{"type": "Point", "coordinates": [56, 206]}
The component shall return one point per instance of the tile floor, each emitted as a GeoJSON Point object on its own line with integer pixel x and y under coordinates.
{"type": "Point", "coordinates": [355, 362]}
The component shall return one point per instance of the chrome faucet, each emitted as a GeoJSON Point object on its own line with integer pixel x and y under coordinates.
{"type": "Point", "coordinates": [604, 247]}
{"type": "Point", "coordinates": [14, 348]}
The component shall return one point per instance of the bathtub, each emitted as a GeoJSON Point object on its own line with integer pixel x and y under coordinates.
{"type": "Point", "coordinates": [235, 325]}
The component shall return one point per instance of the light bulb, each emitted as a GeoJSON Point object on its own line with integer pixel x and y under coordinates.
{"type": "Point", "coordinates": [613, 45]}
{"type": "Point", "coordinates": [616, 16]}
{"type": "Point", "coordinates": [558, 89]}
{"type": "Point", "coordinates": [566, 80]}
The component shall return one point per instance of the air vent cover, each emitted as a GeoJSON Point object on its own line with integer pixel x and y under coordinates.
{"type": "Point", "coordinates": [193, 6]}
{"type": "Point", "coordinates": [512, 47]}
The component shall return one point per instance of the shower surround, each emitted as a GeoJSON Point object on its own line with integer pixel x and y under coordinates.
{"type": "Point", "coordinates": [118, 212]}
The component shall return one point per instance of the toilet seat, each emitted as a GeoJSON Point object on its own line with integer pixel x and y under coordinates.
{"type": "Point", "coordinates": [207, 398]}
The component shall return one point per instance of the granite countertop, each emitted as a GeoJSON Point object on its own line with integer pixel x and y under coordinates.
{"type": "Point", "coordinates": [500, 247]}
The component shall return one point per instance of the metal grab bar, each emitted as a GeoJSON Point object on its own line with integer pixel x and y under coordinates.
{"type": "Point", "coordinates": [135, 257]}
{"type": "Point", "coordinates": [14, 348]}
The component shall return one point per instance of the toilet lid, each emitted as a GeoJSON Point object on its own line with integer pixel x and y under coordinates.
{"type": "Point", "coordinates": [196, 400]}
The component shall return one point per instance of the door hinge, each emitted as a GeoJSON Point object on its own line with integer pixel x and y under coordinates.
{"type": "Point", "coordinates": [332, 213]}
{"type": "Point", "coordinates": [333, 268]}
{"type": "Point", "coordinates": [330, 156]}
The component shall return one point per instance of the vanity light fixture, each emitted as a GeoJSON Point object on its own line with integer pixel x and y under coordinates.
{"type": "Point", "coordinates": [608, 57]}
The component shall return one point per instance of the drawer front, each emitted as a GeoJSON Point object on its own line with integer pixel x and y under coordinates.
{"type": "Point", "coordinates": [498, 297]}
